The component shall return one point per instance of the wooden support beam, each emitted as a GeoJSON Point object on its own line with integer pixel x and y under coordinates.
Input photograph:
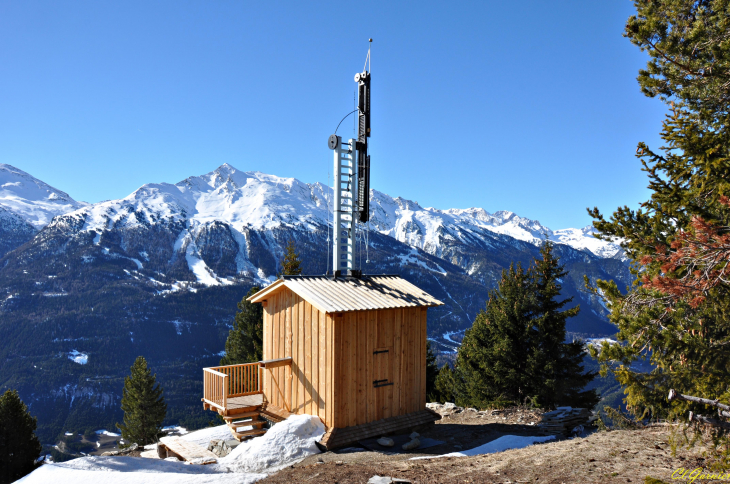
{"type": "Point", "coordinates": [269, 364]}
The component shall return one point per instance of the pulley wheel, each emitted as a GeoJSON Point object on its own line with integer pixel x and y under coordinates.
{"type": "Point", "coordinates": [333, 141]}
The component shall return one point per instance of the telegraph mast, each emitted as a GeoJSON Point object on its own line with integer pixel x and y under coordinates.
{"type": "Point", "coordinates": [352, 181]}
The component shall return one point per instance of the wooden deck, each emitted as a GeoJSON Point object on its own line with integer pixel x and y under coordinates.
{"type": "Point", "coordinates": [243, 404]}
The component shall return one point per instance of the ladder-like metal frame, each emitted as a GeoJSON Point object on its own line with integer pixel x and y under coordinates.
{"type": "Point", "coordinates": [345, 191]}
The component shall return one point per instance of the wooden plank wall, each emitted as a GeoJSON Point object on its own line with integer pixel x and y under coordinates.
{"type": "Point", "coordinates": [333, 366]}
{"type": "Point", "coordinates": [356, 336]}
{"type": "Point", "coordinates": [294, 328]}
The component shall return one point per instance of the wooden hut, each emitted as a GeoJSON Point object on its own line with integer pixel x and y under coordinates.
{"type": "Point", "coordinates": [351, 351]}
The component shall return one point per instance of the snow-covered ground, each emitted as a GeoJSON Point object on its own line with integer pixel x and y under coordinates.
{"type": "Point", "coordinates": [284, 444]}
{"type": "Point", "coordinates": [78, 357]}
{"type": "Point", "coordinates": [289, 441]}
{"type": "Point", "coordinates": [131, 470]}
{"type": "Point", "coordinates": [506, 442]}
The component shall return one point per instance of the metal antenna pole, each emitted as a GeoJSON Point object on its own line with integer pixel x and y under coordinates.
{"type": "Point", "coordinates": [351, 200]}
{"type": "Point", "coordinates": [345, 188]}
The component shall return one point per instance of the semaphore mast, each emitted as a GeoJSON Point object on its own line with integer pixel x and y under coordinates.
{"type": "Point", "coordinates": [352, 182]}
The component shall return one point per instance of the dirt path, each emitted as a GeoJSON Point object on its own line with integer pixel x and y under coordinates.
{"type": "Point", "coordinates": [611, 457]}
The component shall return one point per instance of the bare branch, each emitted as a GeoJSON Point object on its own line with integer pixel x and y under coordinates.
{"type": "Point", "coordinates": [673, 395]}
{"type": "Point", "coordinates": [693, 417]}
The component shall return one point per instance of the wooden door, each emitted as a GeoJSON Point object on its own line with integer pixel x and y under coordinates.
{"type": "Point", "coordinates": [383, 381]}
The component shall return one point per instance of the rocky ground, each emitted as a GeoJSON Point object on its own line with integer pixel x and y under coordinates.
{"type": "Point", "coordinates": [611, 457]}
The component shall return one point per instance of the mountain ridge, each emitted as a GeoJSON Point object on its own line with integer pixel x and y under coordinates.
{"type": "Point", "coordinates": [159, 273]}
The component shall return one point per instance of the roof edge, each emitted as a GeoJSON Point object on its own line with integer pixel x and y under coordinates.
{"type": "Point", "coordinates": [261, 295]}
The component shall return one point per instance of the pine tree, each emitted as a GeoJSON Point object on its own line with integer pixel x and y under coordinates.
{"type": "Point", "coordinates": [516, 347]}
{"type": "Point", "coordinates": [560, 375]}
{"type": "Point", "coordinates": [143, 405]}
{"type": "Point", "coordinates": [245, 340]}
{"type": "Point", "coordinates": [19, 447]}
{"type": "Point", "coordinates": [687, 44]}
{"type": "Point", "coordinates": [290, 264]}
{"type": "Point", "coordinates": [677, 314]}
{"type": "Point", "coordinates": [495, 354]}
{"type": "Point", "coordinates": [445, 386]}
{"type": "Point", "coordinates": [432, 371]}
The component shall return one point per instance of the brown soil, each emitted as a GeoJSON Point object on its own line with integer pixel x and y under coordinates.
{"type": "Point", "coordinates": [611, 457]}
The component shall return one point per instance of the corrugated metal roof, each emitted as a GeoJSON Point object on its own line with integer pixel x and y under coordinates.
{"type": "Point", "coordinates": [350, 294]}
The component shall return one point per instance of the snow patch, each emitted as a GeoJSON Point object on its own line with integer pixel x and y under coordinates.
{"type": "Point", "coordinates": [203, 436]}
{"type": "Point", "coordinates": [284, 444]}
{"type": "Point", "coordinates": [126, 470]}
{"type": "Point", "coordinates": [506, 442]}
{"type": "Point", "coordinates": [199, 268]}
{"type": "Point", "coordinates": [78, 357]}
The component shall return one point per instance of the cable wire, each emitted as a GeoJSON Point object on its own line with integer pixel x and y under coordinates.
{"type": "Point", "coordinates": [338, 125]}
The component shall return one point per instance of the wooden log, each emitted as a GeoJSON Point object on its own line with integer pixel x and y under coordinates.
{"type": "Point", "coordinates": [678, 396]}
{"type": "Point", "coordinates": [693, 417]}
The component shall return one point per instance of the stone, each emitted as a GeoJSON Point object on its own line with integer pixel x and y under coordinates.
{"type": "Point", "coordinates": [388, 480]}
{"type": "Point", "coordinates": [414, 435]}
{"type": "Point", "coordinates": [233, 443]}
{"type": "Point", "coordinates": [413, 444]}
{"type": "Point", "coordinates": [219, 447]}
{"type": "Point", "coordinates": [386, 442]}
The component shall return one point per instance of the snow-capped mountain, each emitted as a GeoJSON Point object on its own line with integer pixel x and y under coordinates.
{"type": "Point", "coordinates": [159, 273]}
{"type": "Point", "coordinates": [245, 201]}
{"type": "Point", "coordinates": [34, 201]}
{"type": "Point", "coordinates": [427, 228]}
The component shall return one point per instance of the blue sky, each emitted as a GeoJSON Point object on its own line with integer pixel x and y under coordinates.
{"type": "Point", "coordinates": [525, 106]}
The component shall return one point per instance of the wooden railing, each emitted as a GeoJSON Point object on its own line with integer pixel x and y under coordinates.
{"type": "Point", "coordinates": [223, 382]}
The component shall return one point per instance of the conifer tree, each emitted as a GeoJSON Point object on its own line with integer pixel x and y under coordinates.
{"type": "Point", "coordinates": [677, 314]}
{"type": "Point", "coordinates": [143, 405]}
{"type": "Point", "coordinates": [495, 354]}
{"type": "Point", "coordinates": [19, 447]}
{"type": "Point", "coordinates": [516, 347]}
{"type": "Point", "coordinates": [290, 264]}
{"type": "Point", "coordinates": [432, 371]}
{"type": "Point", "coordinates": [445, 387]}
{"type": "Point", "coordinates": [245, 340]}
{"type": "Point", "coordinates": [558, 366]}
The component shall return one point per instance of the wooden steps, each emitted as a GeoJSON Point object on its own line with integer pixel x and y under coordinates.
{"type": "Point", "coordinates": [239, 416]}
{"type": "Point", "coordinates": [246, 419]}
{"type": "Point", "coordinates": [248, 433]}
